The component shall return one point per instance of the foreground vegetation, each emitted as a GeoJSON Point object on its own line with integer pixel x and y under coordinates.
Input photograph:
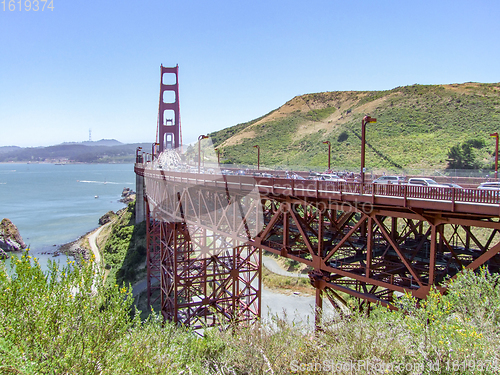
{"type": "Point", "coordinates": [65, 321]}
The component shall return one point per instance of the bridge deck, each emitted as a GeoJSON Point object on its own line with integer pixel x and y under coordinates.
{"type": "Point", "coordinates": [451, 200]}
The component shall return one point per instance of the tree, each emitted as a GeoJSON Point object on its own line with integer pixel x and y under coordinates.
{"type": "Point", "coordinates": [462, 156]}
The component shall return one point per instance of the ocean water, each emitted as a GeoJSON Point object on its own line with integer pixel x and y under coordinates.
{"type": "Point", "coordinates": [55, 204]}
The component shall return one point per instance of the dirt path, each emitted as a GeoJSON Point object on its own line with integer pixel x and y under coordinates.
{"type": "Point", "coordinates": [93, 243]}
{"type": "Point", "coordinates": [273, 266]}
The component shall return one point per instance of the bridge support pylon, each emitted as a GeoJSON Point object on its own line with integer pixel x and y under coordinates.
{"type": "Point", "coordinates": [203, 268]}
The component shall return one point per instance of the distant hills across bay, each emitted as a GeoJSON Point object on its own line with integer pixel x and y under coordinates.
{"type": "Point", "coordinates": [102, 151]}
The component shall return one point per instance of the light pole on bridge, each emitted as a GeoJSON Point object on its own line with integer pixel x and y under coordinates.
{"type": "Point", "coordinates": [365, 121]}
{"type": "Point", "coordinates": [496, 154]}
{"type": "Point", "coordinates": [153, 150]}
{"type": "Point", "coordinates": [199, 150]}
{"type": "Point", "coordinates": [218, 155]}
{"type": "Point", "coordinates": [258, 156]}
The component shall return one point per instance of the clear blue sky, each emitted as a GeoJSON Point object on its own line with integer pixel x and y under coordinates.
{"type": "Point", "coordinates": [96, 64]}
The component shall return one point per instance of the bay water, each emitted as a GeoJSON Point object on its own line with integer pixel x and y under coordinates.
{"type": "Point", "coordinates": [55, 204]}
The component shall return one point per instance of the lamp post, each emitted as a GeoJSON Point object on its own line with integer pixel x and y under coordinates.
{"type": "Point", "coordinates": [329, 152]}
{"type": "Point", "coordinates": [153, 150]}
{"type": "Point", "coordinates": [496, 154]}
{"type": "Point", "coordinates": [365, 121]}
{"type": "Point", "coordinates": [137, 152]}
{"type": "Point", "coordinates": [199, 150]}
{"type": "Point", "coordinates": [218, 156]}
{"type": "Point", "coordinates": [258, 156]}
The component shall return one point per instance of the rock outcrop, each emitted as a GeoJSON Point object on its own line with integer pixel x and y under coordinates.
{"type": "Point", "coordinates": [107, 217]}
{"type": "Point", "coordinates": [10, 239]}
{"type": "Point", "coordinates": [128, 195]}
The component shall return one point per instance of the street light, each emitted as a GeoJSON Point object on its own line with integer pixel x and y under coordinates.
{"type": "Point", "coordinates": [137, 152]}
{"type": "Point", "coordinates": [199, 150]}
{"type": "Point", "coordinates": [153, 150]}
{"type": "Point", "coordinates": [365, 121]}
{"type": "Point", "coordinates": [329, 152]}
{"type": "Point", "coordinates": [218, 156]}
{"type": "Point", "coordinates": [258, 156]}
{"type": "Point", "coordinates": [496, 154]}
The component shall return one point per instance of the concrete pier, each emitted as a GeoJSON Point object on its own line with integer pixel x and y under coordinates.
{"type": "Point", "coordinates": [140, 204]}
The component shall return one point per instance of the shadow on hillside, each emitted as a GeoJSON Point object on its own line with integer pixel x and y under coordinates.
{"type": "Point", "coordinates": [385, 157]}
{"type": "Point", "coordinates": [133, 264]}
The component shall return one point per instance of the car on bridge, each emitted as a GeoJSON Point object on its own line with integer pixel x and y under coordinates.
{"type": "Point", "coordinates": [293, 176]}
{"type": "Point", "coordinates": [422, 181]}
{"type": "Point", "coordinates": [489, 186]}
{"type": "Point", "coordinates": [263, 174]}
{"type": "Point", "coordinates": [389, 180]}
{"type": "Point", "coordinates": [328, 177]}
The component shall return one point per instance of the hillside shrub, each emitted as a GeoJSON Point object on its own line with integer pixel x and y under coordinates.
{"type": "Point", "coordinates": [65, 321]}
{"type": "Point", "coordinates": [61, 321]}
{"type": "Point", "coordinates": [125, 249]}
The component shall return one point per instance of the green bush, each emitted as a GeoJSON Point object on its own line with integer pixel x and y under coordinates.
{"type": "Point", "coordinates": [65, 321]}
{"type": "Point", "coordinates": [125, 249]}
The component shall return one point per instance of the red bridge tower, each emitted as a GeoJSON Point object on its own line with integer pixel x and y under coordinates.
{"type": "Point", "coordinates": [168, 135]}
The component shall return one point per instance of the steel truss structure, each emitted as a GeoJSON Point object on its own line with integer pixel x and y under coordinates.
{"type": "Point", "coordinates": [370, 246]}
{"type": "Point", "coordinates": [374, 252]}
{"type": "Point", "coordinates": [199, 254]}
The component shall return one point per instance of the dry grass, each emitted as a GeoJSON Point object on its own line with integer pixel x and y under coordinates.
{"type": "Point", "coordinates": [286, 284]}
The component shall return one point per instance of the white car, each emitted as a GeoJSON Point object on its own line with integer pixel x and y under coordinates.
{"type": "Point", "coordinates": [489, 186]}
{"type": "Point", "coordinates": [451, 184]}
{"type": "Point", "coordinates": [421, 181]}
{"type": "Point", "coordinates": [329, 177]}
{"type": "Point", "coordinates": [389, 180]}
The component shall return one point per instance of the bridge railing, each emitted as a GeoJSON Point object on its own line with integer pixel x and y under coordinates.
{"type": "Point", "coordinates": [471, 195]}
{"type": "Point", "coordinates": [336, 189]}
{"type": "Point", "coordinates": [313, 188]}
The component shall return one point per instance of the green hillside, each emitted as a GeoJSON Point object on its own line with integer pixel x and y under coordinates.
{"type": "Point", "coordinates": [416, 128]}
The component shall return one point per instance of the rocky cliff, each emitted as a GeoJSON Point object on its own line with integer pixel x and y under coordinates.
{"type": "Point", "coordinates": [128, 195]}
{"type": "Point", "coordinates": [10, 238]}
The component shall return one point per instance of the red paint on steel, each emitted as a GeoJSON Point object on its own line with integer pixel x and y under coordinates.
{"type": "Point", "coordinates": [169, 128]}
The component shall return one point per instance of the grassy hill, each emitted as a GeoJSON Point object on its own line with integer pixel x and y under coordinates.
{"type": "Point", "coordinates": [416, 127]}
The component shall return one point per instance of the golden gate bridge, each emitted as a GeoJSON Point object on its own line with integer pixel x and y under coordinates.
{"type": "Point", "coordinates": [206, 232]}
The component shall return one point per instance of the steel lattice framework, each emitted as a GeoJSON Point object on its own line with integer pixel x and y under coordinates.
{"type": "Point", "coordinates": [200, 255]}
